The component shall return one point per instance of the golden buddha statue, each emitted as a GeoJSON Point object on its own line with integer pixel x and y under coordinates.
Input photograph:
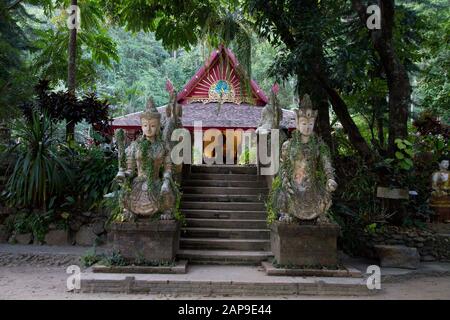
{"type": "Point", "coordinates": [440, 196]}
{"type": "Point", "coordinates": [147, 178]}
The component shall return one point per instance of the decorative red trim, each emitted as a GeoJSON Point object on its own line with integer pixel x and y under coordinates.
{"type": "Point", "coordinates": [203, 71]}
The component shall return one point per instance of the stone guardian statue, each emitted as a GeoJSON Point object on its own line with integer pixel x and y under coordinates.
{"type": "Point", "coordinates": [306, 173]}
{"type": "Point", "coordinates": [145, 171]}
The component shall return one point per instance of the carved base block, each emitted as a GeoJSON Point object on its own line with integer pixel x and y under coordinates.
{"type": "Point", "coordinates": [304, 245]}
{"type": "Point", "coordinates": [152, 241]}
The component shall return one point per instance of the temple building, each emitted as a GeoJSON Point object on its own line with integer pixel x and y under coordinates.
{"type": "Point", "coordinates": [220, 95]}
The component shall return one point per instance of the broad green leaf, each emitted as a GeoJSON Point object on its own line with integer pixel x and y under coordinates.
{"type": "Point", "coordinates": [399, 155]}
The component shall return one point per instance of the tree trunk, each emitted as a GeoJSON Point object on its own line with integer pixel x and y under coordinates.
{"type": "Point", "coordinates": [397, 77]}
{"type": "Point", "coordinates": [350, 127]}
{"type": "Point", "coordinates": [323, 120]}
{"type": "Point", "coordinates": [380, 131]}
{"type": "Point", "coordinates": [71, 75]}
{"type": "Point", "coordinates": [319, 99]}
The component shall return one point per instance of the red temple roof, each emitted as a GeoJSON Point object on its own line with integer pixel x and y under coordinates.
{"type": "Point", "coordinates": [229, 115]}
{"type": "Point", "coordinates": [222, 66]}
{"type": "Point", "coordinates": [217, 82]}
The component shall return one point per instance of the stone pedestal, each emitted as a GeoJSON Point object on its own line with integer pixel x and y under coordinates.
{"type": "Point", "coordinates": [304, 245]}
{"type": "Point", "coordinates": [441, 208]}
{"type": "Point", "coordinates": [152, 240]}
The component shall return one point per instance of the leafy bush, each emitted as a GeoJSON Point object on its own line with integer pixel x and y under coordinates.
{"type": "Point", "coordinates": [90, 257]}
{"type": "Point", "coordinates": [40, 172]}
{"type": "Point", "coordinates": [95, 171]}
{"type": "Point", "coordinates": [29, 222]}
{"type": "Point", "coordinates": [63, 106]}
{"type": "Point", "coordinates": [113, 259]}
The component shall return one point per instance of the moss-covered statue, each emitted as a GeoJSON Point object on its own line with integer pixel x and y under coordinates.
{"type": "Point", "coordinates": [271, 114]}
{"type": "Point", "coordinates": [145, 170]}
{"type": "Point", "coordinates": [306, 177]}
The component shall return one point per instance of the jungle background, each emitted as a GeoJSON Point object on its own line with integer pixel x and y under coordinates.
{"type": "Point", "coordinates": [383, 96]}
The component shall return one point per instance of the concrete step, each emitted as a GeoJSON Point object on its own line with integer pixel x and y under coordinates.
{"type": "Point", "coordinates": [186, 182]}
{"type": "Point", "coordinates": [219, 176]}
{"type": "Point", "coordinates": [213, 205]}
{"type": "Point", "coordinates": [228, 280]}
{"type": "Point", "coordinates": [223, 197]}
{"type": "Point", "coordinates": [226, 223]}
{"type": "Point", "coordinates": [224, 190]}
{"type": "Point", "coordinates": [224, 214]}
{"type": "Point", "coordinates": [223, 233]}
{"type": "Point", "coordinates": [224, 169]}
{"type": "Point", "coordinates": [224, 257]}
{"type": "Point", "coordinates": [225, 244]}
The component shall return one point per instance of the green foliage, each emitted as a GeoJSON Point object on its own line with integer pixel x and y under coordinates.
{"type": "Point", "coordinates": [90, 257]}
{"type": "Point", "coordinates": [272, 214]}
{"type": "Point", "coordinates": [30, 222]}
{"type": "Point", "coordinates": [62, 106]}
{"type": "Point", "coordinates": [371, 228]}
{"type": "Point", "coordinates": [143, 70]}
{"type": "Point", "coordinates": [248, 156]}
{"type": "Point", "coordinates": [142, 262]}
{"type": "Point", "coordinates": [179, 216]}
{"type": "Point", "coordinates": [404, 154]}
{"type": "Point", "coordinates": [433, 82]}
{"type": "Point", "coordinates": [40, 172]}
{"type": "Point", "coordinates": [95, 171]}
{"type": "Point", "coordinates": [15, 77]}
{"type": "Point", "coordinates": [113, 259]}
{"type": "Point", "coordinates": [113, 201]}
{"type": "Point", "coordinates": [94, 46]}
{"type": "Point", "coordinates": [149, 149]}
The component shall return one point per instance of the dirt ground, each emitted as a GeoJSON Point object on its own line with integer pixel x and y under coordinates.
{"type": "Point", "coordinates": [20, 282]}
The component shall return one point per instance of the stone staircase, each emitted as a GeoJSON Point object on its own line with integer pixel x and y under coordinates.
{"type": "Point", "coordinates": [225, 216]}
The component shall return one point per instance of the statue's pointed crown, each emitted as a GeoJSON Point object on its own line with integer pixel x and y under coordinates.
{"type": "Point", "coordinates": [305, 110]}
{"type": "Point", "coordinates": [150, 111]}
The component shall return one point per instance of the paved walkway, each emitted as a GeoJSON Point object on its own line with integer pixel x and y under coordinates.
{"type": "Point", "coordinates": [23, 275]}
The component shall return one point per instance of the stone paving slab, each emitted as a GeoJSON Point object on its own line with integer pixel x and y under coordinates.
{"type": "Point", "coordinates": [297, 272]}
{"type": "Point", "coordinates": [431, 269]}
{"type": "Point", "coordinates": [235, 280]}
{"type": "Point", "coordinates": [20, 255]}
{"type": "Point", "coordinates": [179, 267]}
